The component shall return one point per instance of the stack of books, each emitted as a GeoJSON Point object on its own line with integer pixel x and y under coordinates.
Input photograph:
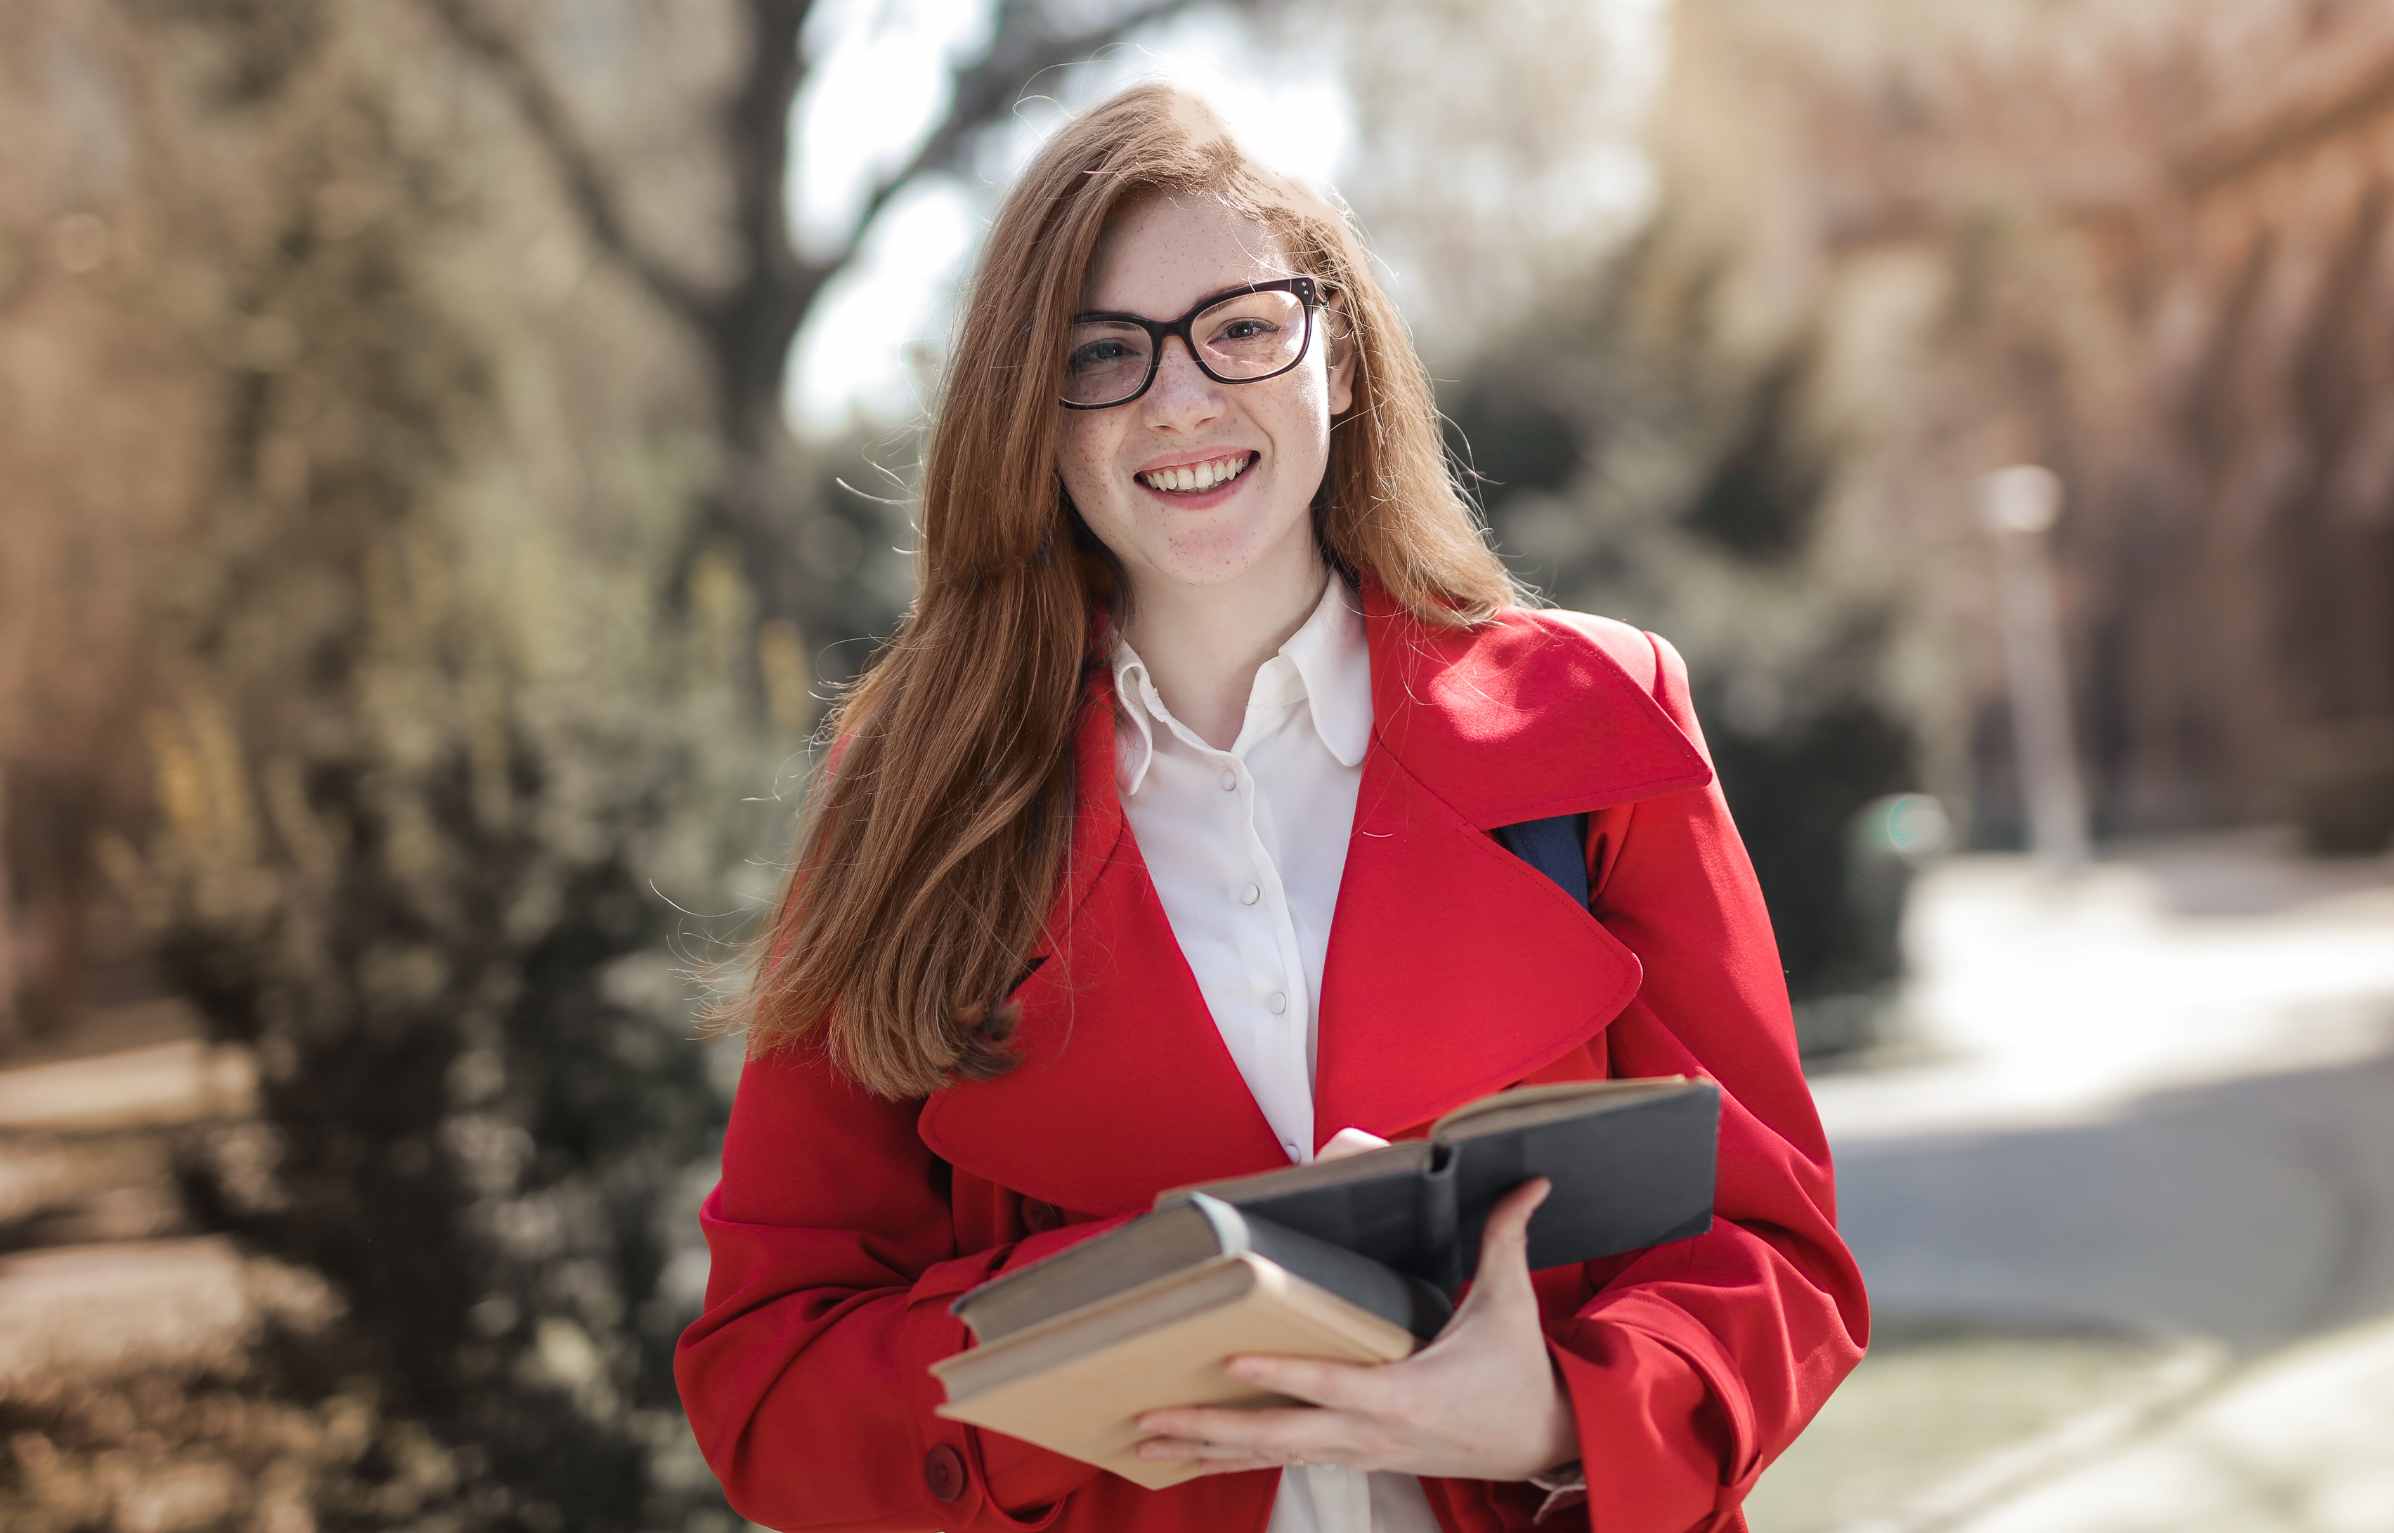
{"type": "Point", "coordinates": [1355, 1259]}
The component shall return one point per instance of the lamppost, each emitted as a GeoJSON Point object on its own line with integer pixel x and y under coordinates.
{"type": "Point", "coordinates": [2018, 506]}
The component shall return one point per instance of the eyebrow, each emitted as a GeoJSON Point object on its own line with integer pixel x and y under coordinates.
{"type": "Point", "coordinates": [1213, 297]}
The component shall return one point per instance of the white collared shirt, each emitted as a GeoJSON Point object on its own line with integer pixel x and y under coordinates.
{"type": "Point", "coordinates": [1246, 848]}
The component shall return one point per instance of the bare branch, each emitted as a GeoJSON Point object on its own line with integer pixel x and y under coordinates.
{"type": "Point", "coordinates": [981, 92]}
{"type": "Point", "coordinates": [751, 324]}
{"type": "Point", "coordinates": [544, 111]}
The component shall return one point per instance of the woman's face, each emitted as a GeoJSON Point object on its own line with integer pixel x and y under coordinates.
{"type": "Point", "coordinates": [1157, 258]}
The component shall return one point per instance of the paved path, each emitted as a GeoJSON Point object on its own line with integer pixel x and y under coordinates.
{"type": "Point", "coordinates": [2160, 1101]}
{"type": "Point", "coordinates": [2151, 1108]}
{"type": "Point", "coordinates": [2298, 1445]}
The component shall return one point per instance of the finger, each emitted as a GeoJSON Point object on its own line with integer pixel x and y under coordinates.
{"type": "Point", "coordinates": [1215, 1457]}
{"type": "Point", "coordinates": [1345, 1386]}
{"type": "Point", "coordinates": [1260, 1429]}
{"type": "Point", "coordinates": [1222, 1457]}
{"type": "Point", "coordinates": [1237, 1465]}
{"type": "Point", "coordinates": [1504, 1240]}
{"type": "Point", "coordinates": [1509, 1218]}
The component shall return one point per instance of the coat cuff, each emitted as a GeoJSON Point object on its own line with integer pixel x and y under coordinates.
{"type": "Point", "coordinates": [1657, 1443]}
{"type": "Point", "coordinates": [965, 1488]}
{"type": "Point", "coordinates": [1565, 1488]}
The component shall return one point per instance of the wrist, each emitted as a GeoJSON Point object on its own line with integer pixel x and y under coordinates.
{"type": "Point", "coordinates": [1563, 1491]}
{"type": "Point", "coordinates": [1561, 1454]}
{"type": "Point", "coordinates": [1561, 1476]}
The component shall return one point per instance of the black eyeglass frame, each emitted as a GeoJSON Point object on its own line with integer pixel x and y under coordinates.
{"type": "Point", "coordinates": [1311, 294]}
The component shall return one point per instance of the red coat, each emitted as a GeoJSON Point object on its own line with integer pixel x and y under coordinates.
{"type": "Point", "coordinates": [843, 1225]}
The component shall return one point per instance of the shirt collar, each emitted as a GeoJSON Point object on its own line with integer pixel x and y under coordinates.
{"type": "Point", "coordinates": [1328, 664]}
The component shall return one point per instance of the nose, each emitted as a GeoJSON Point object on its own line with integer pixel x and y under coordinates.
{"type": "Point", "coordinates": [1182, 395]}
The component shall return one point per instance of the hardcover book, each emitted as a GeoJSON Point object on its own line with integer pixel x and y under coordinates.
{"type": "Point", "coordinates": [1355, 1259]}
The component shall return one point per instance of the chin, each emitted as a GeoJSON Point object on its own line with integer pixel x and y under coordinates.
{"type": "Point", "coordinates": [1205, 555]}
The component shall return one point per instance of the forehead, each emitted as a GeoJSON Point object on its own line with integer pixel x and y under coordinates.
{"type": "Point", "coordinates": [1158, 255]}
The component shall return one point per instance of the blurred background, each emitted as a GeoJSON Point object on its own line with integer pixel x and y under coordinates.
{"type": "Point", "coordinates": [450, 448]}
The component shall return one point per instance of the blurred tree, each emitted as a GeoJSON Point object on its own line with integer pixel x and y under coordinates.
{"type": "Point", "coordinates": [2141, 245]}
{"type": "Point", "coordinates": [99, 448]}
{"type": "Point", "coordinates": [745, 321]}
{"type": "Point", "coordinates": [1698, 496]}
{"type": "Point", "coordinates": [1647, 441]}
{"type": "Point", "coordinates": [478, 586]}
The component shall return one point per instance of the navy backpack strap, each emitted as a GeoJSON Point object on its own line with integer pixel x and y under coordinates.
{"type": "Point", "coordinates": [1556, 846]}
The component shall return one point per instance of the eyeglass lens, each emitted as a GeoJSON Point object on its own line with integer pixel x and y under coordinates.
{"type": "Point", "coordinates": [1252, 335]}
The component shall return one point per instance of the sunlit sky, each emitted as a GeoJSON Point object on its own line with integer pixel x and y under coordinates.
{"type": "Point", "coordinates": [882, 82]}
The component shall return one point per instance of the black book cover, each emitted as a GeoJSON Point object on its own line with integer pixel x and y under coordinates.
{"type": "Point", "coordinates": [1396, 1230]}
{"type": "Point", "coordinates": [1632, 1172]}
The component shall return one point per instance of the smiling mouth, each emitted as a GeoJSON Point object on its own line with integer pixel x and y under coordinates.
{"type": "Point", "coordinates": [1193, 490]}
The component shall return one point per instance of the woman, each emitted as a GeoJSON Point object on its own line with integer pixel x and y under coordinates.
{"type": "Point", "coordinates": [1156, 848]}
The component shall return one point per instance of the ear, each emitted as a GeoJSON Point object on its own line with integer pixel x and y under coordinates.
{"type": "Point", "coordinates": [1342, 371]}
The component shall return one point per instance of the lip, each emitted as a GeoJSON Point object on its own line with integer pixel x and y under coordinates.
{"type": "Point", "coordinates": [1210, 498]}
{"type": "Point", "coordinates": [1190, 460]}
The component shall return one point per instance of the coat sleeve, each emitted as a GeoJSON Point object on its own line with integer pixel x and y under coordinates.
{"type": "Point", "coordinates": [1697, 1362]}
{"type": "Point", "coordinates": [832, 1260]}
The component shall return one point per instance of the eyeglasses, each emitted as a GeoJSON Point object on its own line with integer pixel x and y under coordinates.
{"type": "Point", "coordinates": [1239, 335]}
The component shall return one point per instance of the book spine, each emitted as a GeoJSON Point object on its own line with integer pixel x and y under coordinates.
{"type": "Point", "coordinates": [1369, 1285]}
{"type": "Point", "coordinates": [1440, 1253]}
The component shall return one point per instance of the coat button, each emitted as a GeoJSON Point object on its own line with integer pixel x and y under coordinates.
{"type": "Point", "coordinates": [943, 1471]}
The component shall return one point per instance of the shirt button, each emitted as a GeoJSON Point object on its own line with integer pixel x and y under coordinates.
{"type": "Point", "coordinates": [1230, 779]}
{"type": "Point", "coordinates": [1277, 1001]}
{"type": "Point", "coordinates": [1250, 895]}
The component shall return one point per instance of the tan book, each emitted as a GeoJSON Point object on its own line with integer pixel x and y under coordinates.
{"type": "Point", "coordinates": [1075, 1384]}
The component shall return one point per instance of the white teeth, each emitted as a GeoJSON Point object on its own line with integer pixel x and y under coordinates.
{"type": "Point", "coordinates": [1202, 476]}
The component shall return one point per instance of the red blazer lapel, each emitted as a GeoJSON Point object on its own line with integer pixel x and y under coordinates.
{"type": "Point", "coordinates": [1453, 967]}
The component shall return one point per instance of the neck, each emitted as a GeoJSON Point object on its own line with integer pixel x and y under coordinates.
{"type": "Point", "coordinates": [1204, 644]}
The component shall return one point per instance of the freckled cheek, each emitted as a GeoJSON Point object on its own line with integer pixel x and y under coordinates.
{"type": "Point", "coordinates": [1304, 411]}
{"type": "Point", "coordinates": [1085, 470]}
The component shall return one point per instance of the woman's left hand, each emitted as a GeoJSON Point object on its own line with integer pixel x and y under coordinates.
{"type": "Point", "coordinates": [1481, 1401]}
